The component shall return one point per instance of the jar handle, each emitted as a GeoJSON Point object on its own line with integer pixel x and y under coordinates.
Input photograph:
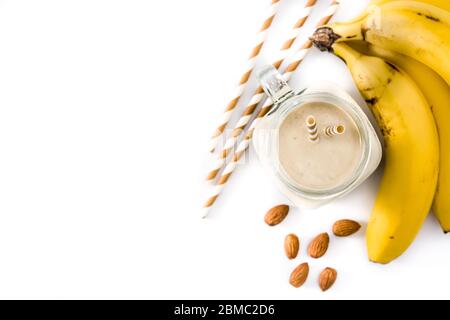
{"type": "Point", "coordinates": [274, 84]}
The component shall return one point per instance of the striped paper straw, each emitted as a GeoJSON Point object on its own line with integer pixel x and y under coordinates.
{"type": "Point", "coordinates": [244, 144]}
{"type": "Point", "coordinates": [313, 132]}
{"type": "Point", "coordinates": [260, 40]}
{"type": "Point", "coordinates": [259, 93]}
{"type": "Point", "coordinates": [334, 130]}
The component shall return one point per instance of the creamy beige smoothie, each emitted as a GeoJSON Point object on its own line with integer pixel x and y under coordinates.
{"type": "Point", "coordinates": [326, 163]}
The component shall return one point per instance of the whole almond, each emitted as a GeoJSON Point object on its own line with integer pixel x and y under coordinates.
{"type": "Point", "coordinates": [319, 246]}
{"type": "Point", "coordinates": [299, 275]}
{"type": "Point", "coordinates": [327, 278]}
{"type": "Point", "coordinates": [276, 215]}
{"type": "Point", "coordinates": [291, 246]}
{"type": "Point", "coordinates": [345, 228]}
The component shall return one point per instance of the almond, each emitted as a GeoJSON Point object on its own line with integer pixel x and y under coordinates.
{"type": "Point", "coordinates": [345, 228]}
{"type": "Point", "coordinates": [327, 278]}
{"type": "Point", "coordinates": [276, 215]}
{"type": "Point", "coordinates": [291, 246]}
{"type": "Point", "coordinates": [299, 275]}
{"type": "Point", "coordinates": [319, 246]}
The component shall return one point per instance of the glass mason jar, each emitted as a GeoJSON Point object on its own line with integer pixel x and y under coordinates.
{"type": "Point", "coordinates": [266, 140]}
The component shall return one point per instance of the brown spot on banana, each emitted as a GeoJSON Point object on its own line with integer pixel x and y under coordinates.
{"type": "Point", "coordinates": [429, 17]}
{"type": "Point", "coordinates": [393, 66]}
{"type": "Point", "coordinates": [372, 101]}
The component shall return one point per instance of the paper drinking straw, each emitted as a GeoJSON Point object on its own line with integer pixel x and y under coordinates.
{"type": "Point", "coordinates": [260, 40]}
{"type": "Point", "coordinates": [334, 130]}
{"type": "Point", "coordinates": [259, 93]}
{"type": "Point", "coordinates": [244, 144]}
{"type": "Point", "coordinates": [313, 132]}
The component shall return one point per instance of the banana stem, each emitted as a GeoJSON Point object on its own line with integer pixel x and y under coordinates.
{"type": "Point", "coordinates": [325, 37]}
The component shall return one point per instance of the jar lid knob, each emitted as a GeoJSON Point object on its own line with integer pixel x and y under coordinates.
{"type": "Point", "coordinates": [274, 84]}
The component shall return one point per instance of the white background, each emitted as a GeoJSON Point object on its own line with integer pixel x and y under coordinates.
{"type": "Point", "coordinates": [106, 107]}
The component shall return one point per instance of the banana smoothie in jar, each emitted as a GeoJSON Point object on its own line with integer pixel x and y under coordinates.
{"type": "Point", "coordinates": [318, 144]}
{"type": "Point", "coordinates": [323, 164]}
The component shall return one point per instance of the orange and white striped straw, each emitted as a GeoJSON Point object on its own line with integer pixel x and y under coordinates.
{"type": "Point", "coordinates": [260, 40]}
{"type": "Point", "coordinates": [244, 144]}
{"type": "Point", "coordinates": [259, 93]}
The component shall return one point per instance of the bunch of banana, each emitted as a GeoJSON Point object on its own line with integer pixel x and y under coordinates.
{"type": "Point", "coordinates": [416, 29]}
{"type": "Point", "coordinates": [437, 93]}
{"type": "Point", "coordinates": [399, 50]}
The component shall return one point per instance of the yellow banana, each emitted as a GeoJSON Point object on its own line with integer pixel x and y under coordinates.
{"type": "Point", "coordinates": [437, 93]}
{"type": "Point", "coordinates": [443, 4]}
{"type": "Point", "coordinates": [418, 30]}
{"type": "Point", "coordinates": [412, 153]}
